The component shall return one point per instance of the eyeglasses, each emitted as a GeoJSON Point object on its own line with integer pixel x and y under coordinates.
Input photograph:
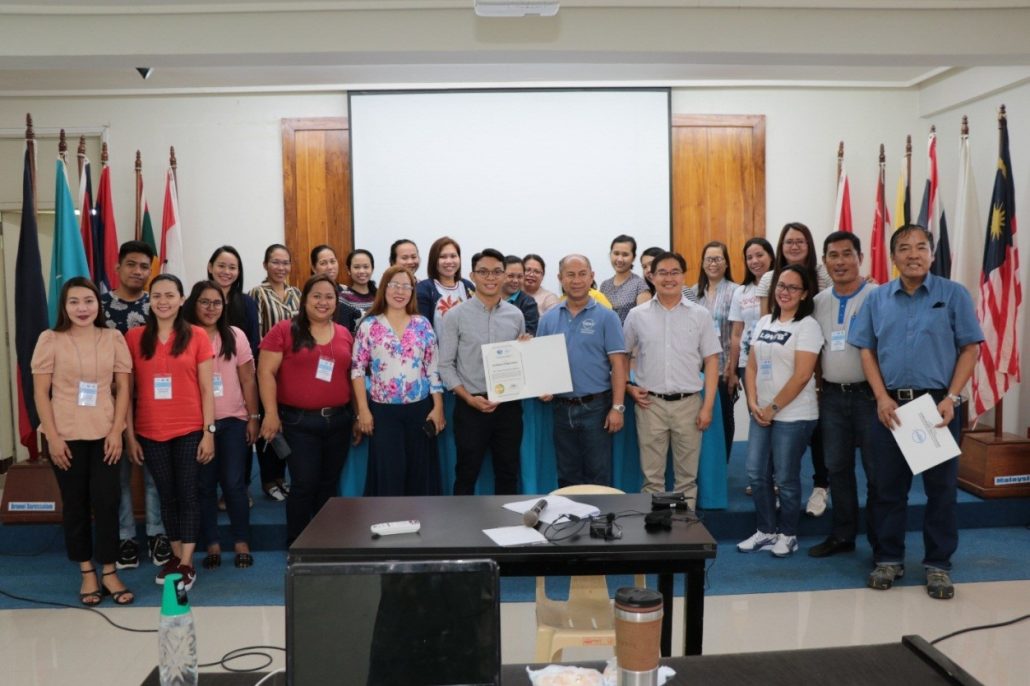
{"type": "Point", "coordinates": [279, 263]}
{"type": "Point", "coordinates": [788, 288]}
{"type": "Point", "coordinates": [398, 286]}
{"type": "Point", "coordinates": [490, 273]}
{"type": "Point", "coordinates": [538, 272]}
{"type": "Point", "coordinates": [795, 242]}
{"type": "Point", "coordinates": [714, 260]}
{"type": "Point", "coordinates": [664, 273]}
{"type": "Point", "coordinates": [210, 304]}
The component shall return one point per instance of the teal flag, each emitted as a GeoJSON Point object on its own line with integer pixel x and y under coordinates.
{"type": "Point", "coordinates": [69, 257]}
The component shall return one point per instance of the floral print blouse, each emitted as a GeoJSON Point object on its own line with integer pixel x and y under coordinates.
{"type": "Point", "coordinates": [401, 371]}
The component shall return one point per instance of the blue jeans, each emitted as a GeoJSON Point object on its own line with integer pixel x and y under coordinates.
{"type": "Point", "coordinates": [845, 419]}
{"type": "Point", "coordinates": [582, 446]}
{"type": "Point", "coordinates": [890, 501]}
{"type": "Point", "coordinates": [231, 455]}
{"type": "Point", "coordinates": [319, 448]}
{"type": "Point", "coordinates": [777, 449]}
{"type": "Point", "coordinates": [126, 519]}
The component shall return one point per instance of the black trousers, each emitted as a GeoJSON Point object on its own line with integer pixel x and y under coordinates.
{"type": "Point", "coordinates": [90, 490]}
{"type": "Point", "coordinates": [173, 464]}
{"type": "Point", "coordinates": [475, 432]}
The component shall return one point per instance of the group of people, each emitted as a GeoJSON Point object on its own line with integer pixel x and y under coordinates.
{"type": "Point", "coordinates": [190, 385]}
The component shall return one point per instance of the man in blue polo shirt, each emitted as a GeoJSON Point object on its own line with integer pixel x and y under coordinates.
{"type": "Point", "coordinates": [917, 334]}
{"type": "Point", "coordinates": [585, 419]}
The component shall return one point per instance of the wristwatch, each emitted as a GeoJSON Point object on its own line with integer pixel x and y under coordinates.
{"type": "Point", "coordinates": [621, 409]}
{"type": "Point", "coordinates": [955, 399]}
{"type": "Point", "coordinates": [211, 428]}
{"type": "Point", "coordinates": [255, 416]}
{"type": "Point", "coordinates": [775, 407]}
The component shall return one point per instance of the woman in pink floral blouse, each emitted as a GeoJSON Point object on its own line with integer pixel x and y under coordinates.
{"type": "Point", "coordinates": [401, 409]}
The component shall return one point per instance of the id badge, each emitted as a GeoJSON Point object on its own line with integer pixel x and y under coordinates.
{"type": "Point", "coordinates": [765, 369]}
{"type": "Point", "coordinates": [162, 388]}
{"type": "Point", "coordinates": [838, 341]}
{"type": "Point", "coordinates": [87, 394]}
{"type": "Point", "coordinates": [325, 369]}
{"type": "Point", "coordinates": [217, 383]}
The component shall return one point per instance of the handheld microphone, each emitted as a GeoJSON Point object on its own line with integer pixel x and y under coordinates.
{"type": "Point", "coordinates": [532, 516]}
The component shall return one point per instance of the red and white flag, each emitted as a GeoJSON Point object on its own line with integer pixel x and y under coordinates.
{"type": "Point", "coordinates": [172, 258]}
{"type": "Point", "coordinates": [842, 208]}
{"type": "Point", "coordinates": [878, 259]}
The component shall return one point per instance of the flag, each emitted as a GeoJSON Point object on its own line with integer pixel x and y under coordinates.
{"type": "Point", "coordinates": [931, 213]}
{"type": "Point", "coordinates": [172, 261]}
{"type": "Point", "coordinates": [146, 229]}
{"type": "Point", "coordinates": [1001, 294]}
{"type": "Point", "coordinates": [30, 309]}
{"type": "Point", "coordinates": [842, 208]}
{"type": "Point", "coordinates": [966, 268]}
{"type": "Point", "coordinates": [68, 258]}
{"type": "Point", "coordinates": [878, 258]}
{"type": "Point", "coordinates": [87, 227]}
{"type": "Point", "coordinates": [903, 200]}
{"type": "Point", "coordinates": [106, 249]}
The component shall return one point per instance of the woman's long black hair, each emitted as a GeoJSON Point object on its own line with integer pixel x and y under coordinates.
{"type": "Point", "coordinates": [182, 329]}
{"type": "Point", "coordinates": [237, 312]}
{"type": "Point", "coordinates": [300, 328]}
{"type": "Point", "coordinates": [222, 325]}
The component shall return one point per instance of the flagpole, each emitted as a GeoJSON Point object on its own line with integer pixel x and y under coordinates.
{"type": "Point", "coordinates": [908, 176]}
{"type": "Point", "coordinates": [103, 154]}
{"type": "Point", "coordinates": [139, 210]}
{"type": "Point", "coordinates": [840, 159]}
{"type": "Point", "coordinates": [81, 156]}
{"type": "Point", "coordinates": [30, 143]}
{"type": "Point", "coordinates": [174, 164]}
{"type": "Point", "coordinates": [62, 148]}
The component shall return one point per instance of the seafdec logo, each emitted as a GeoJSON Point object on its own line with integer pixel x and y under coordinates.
{"type": "Point", "coordinates": [776, 337]}
{"type": "Point", "coordinates": [587, 327]}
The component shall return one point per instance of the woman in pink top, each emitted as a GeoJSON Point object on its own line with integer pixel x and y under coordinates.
{"type": "Point", "coordinates": [173, 424]}
{"type": "Point", "coordinates": [236, 422]}
{"type": "Point", "coordinates": [75, 366]}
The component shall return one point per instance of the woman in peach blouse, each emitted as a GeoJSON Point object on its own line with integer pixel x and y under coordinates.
{"type": "Point", "coordinates": [80, 374]}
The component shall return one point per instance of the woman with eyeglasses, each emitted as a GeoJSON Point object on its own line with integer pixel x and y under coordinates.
{"type": "Point", "coordinates": [236, 424]}
{"type": "Point", "coordinates": [532, 283]}
{"type": "Point", "coordinates": [277, 301]}
{"type": "Point", "coordinates": [402, 412]}
{"type": "Point", "coordinates": [780, 383]}
{"type": "Point", "coordinates": [323, 261]}
{"type": "Point", "coordinates": [444, 288]}
{"type": "Point", "coordinates": [304, 382]}
{"type": "Point", "coordinates": [714, 292]}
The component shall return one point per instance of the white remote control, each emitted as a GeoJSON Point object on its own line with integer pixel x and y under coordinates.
{"type": "Point", "coordinates": [409, 526]}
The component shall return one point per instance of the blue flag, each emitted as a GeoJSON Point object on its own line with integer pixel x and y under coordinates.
{"type": "Point", "coordinates": [69, 257]}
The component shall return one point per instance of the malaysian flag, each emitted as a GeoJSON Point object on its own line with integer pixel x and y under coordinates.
{"type": "Point", "coordinates": [1000, 292]}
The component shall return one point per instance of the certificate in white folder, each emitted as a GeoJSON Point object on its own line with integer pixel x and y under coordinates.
{"type": "Point", "coordinates": [526, 369]}
{"type": "Point", "coordinates": [921, 442]}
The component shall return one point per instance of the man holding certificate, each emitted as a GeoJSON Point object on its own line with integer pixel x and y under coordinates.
{"type": "Point", "coordinates": [585, 419]}
{"type": "Point", "coordinates": [918, 335]}
{"type": "Point", "coordinates": [480, 424]}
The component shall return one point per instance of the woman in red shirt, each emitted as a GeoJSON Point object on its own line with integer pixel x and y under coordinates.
{"type": "Point", "coordinates": [173, 425]}
{"type": "Point", "coordinates": [303, 377]}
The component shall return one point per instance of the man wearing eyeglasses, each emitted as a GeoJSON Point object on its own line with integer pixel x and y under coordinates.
{"type": "Point", "coordinates": [480, 424]}
{"type": "Point", "coordinates": [918, 335]}
{"type": "Point", "coordinates": [586, 418]}
{"type": "Point", "coordinates": [671, 339]}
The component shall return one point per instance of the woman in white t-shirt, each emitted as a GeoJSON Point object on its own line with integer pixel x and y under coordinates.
{"type": "Point", "coordinates": [784, 410]}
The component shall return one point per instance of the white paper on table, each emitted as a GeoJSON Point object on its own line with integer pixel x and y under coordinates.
{"type": "Point", "coordinates": [526, 369]}
{"type": "Point", "coordinates": [557, 505]}
{"type": "Point", "coordinates": [515, 535]}
{"type": "Point", "coordinates": [921, 442]}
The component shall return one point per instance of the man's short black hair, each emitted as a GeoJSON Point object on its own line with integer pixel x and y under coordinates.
{"type": "Point", "coordinates": [135, 246]}
{"type": "Point", "coordinates": [512, 259]}
{"type": "Point", "coordinates": [662, 256]}
{"type": "Point", "coordinates": [907, 229]}
{"type": "Point", "coordinates": [488, 252]}
{"type": "Point", "coordinates": [856, 242]}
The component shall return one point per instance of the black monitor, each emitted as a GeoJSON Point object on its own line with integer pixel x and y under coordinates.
{"type": "Point", "coordinates": [427, 623]}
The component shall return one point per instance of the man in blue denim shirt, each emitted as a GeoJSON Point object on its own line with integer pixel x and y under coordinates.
{"type": "Point", "coordinates": [847, 407]}
{"type": "Point", "coordinates": [918, 334]}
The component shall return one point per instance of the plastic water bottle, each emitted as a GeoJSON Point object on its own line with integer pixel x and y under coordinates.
{"type": "Point", "coordinates": [176, 636]}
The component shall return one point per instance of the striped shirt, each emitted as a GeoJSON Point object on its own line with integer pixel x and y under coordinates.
{"type": "Point", "coordinates": [271, 308]}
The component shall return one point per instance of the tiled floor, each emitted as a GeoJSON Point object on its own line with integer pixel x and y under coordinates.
{"type": "Point", "coordinates": [57, 647]}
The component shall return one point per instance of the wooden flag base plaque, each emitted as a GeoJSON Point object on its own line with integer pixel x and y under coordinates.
{"type": "Point", "coordinates": [31, 495]}
{"type": "Point", "coordinates": [994, 467]}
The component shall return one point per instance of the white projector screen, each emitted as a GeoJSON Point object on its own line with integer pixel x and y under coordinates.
{"type": "Point", "coordinates": [549, 172]}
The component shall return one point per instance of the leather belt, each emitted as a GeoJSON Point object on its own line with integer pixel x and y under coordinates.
{"type": "Point", "coordinates": [670, 396]}
{"type": "Point", "coordinates": [847, 387]}
{"type": "Point", "coordinates": [581, 400]}
{"type": "Point", "coordinates": [316, 412]}
{"type": "Point", "coordinates": [906, 394]}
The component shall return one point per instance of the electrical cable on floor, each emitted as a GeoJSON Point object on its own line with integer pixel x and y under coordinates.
{"type": "Point", "coordinates": [978, 628]}
{"type": "Point", "coordinates": [234, 654]}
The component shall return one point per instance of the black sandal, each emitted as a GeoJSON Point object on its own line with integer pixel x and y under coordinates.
{"type": "Point", "coordinates": [244, 560]}
{"type": "Point", "coordinates": [212, 561]}
{"type": "Point", "coordinates": [117, 596]}
{"type": "Point", "coordinates": [93, 598]}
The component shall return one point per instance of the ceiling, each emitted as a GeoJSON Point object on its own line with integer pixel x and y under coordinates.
{"type": "Point", "coordinates": [80, 47]}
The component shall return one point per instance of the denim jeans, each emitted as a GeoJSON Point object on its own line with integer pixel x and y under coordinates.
{"type": "Point", "coordinates": [319, 448]}
{"type": "Point", "coordinates": [777, 448]}
{"type": "Point", "coordinates": [152, 503]}
{"type": "Point", "coordinates": [845, 419]}
{"type": "Point", "coordinates": [890, 501]}
{"type": "Point", "coordinates": [582, 446]}
{"type": "Point", "coordinates": [231, 455]}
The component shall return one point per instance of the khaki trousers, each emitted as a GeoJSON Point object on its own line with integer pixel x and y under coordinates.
{"type": "Point", "coordinates": [662, 422]}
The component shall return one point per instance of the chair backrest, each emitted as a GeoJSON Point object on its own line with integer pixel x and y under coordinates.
{"type": "Point", "coordinates": [587, 489]}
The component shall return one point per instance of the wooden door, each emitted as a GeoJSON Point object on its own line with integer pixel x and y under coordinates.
{"type": "Point", "coordinates": [316, 190]}
{"type": "Point", "coordinates": [718, 185]}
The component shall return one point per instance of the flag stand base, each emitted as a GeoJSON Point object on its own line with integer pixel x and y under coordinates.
{"type": "Point", "coordinates": [31, 495]}
{"type": "Point", "coordinates": [994, 467]}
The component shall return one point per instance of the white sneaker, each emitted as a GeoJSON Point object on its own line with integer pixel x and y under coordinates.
{"type": "Point", "coordinates": [758, 541]}
{"type": "Point", "coordinates": [817, 502]}
{"type": "Point", "coordinates": [785, 545]}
